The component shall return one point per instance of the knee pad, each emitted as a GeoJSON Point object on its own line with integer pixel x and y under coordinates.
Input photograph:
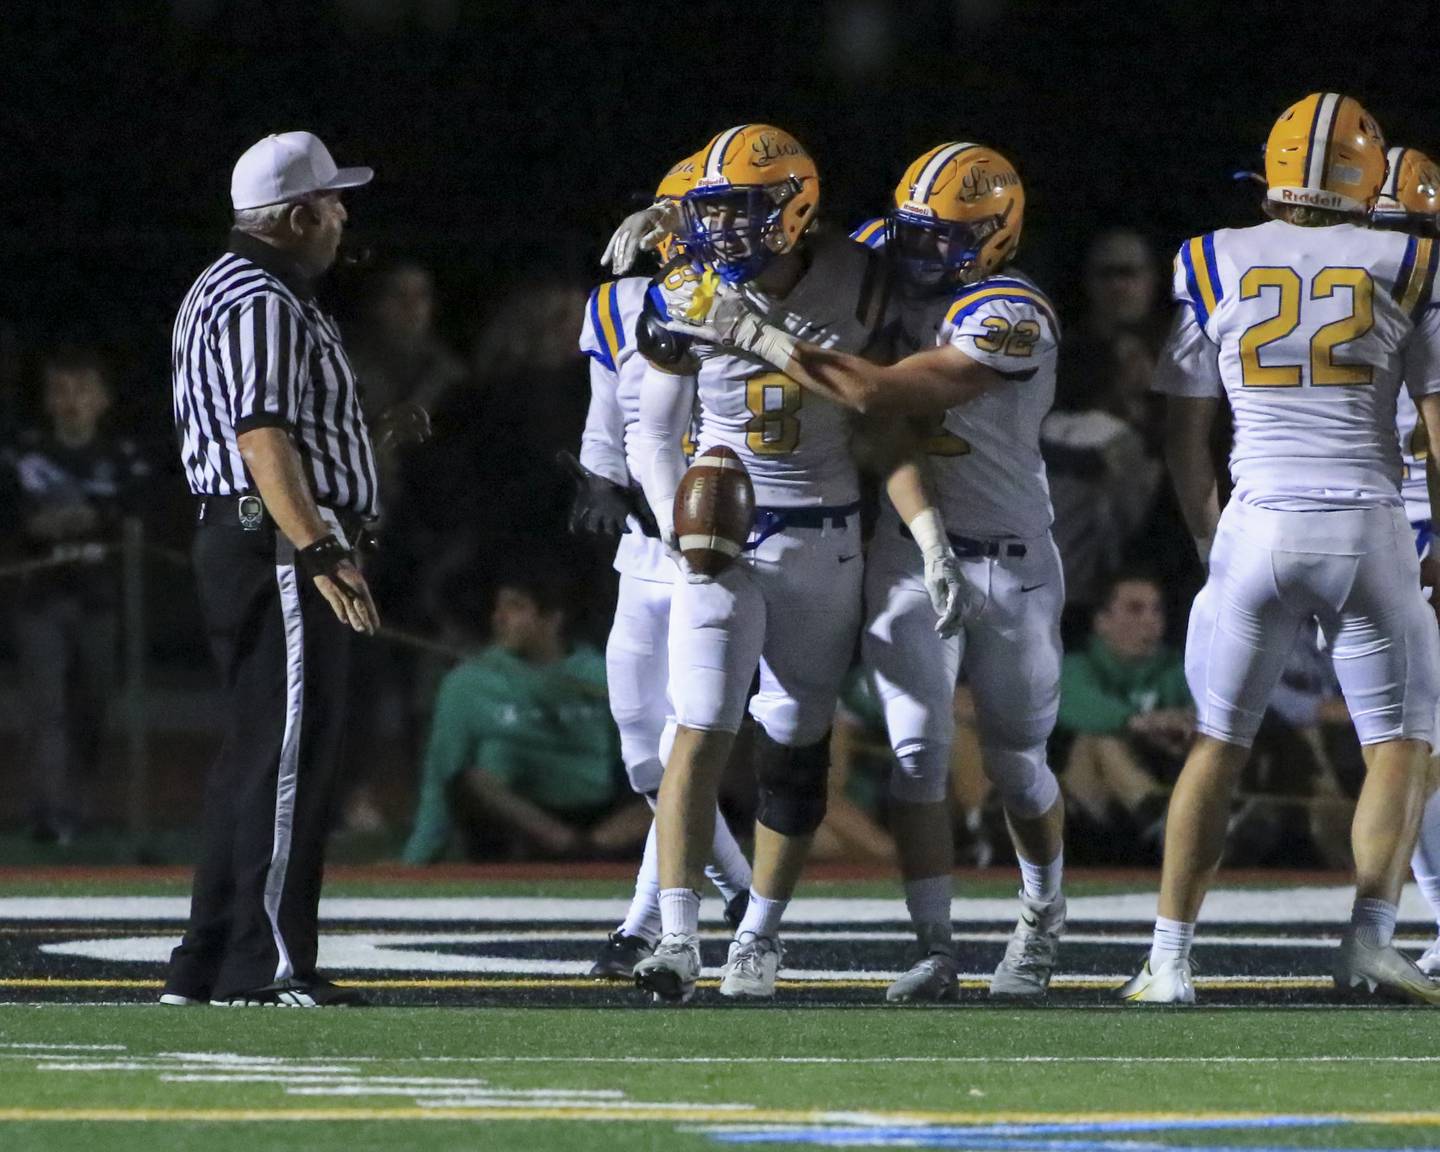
{"type": "Point", "coordinates": [922, 769]}
{"type": "Point", "coordinates": [791, 783]}
{"type": "Point", "coordinates": [1022, 778]}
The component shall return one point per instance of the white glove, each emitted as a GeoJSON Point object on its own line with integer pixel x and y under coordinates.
{"type": "Point", "coordinates": [948, 595]}
{"type": "Point", "coordinates": [672, 548]}
{"type": "Point", "coordinates": [704, 307]}
{"type": "Point", "coordinates": [639, 232]}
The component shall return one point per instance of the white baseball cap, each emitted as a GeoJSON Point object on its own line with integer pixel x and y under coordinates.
{"type": "Point", "coordinates": [287, 167]}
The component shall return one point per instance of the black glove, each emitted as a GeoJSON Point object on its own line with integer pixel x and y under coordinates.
{"type": "Point", "coordinates": [600, 506]}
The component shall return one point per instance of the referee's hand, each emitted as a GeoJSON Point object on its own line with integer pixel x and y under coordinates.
{"type": "Point", "coordinates": [350, 598]}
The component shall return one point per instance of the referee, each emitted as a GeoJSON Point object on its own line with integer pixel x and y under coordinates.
{"type": "Point", "coordinates": [278, 456]}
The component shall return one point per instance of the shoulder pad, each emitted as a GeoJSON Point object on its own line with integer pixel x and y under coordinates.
{"type": "Point", "coordinates": [660, 346]}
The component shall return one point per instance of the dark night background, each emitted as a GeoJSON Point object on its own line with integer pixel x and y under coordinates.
{"type": "Point", "coordinates": [508, 137]}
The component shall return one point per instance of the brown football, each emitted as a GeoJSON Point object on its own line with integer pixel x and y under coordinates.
{"type": "Point", "coordinates": [714, 507]}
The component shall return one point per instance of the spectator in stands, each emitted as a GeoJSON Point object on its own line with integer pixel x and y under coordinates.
{"type": "Point", "coordinates": [1126, 708]}
{"type": "Point", "coordinates": [523, 753]}
{"type": "Point", "coordinates": [404, 367]}
{"type": "Point", "coordinates": [71, 485]}
{"type": "Point", "coordinates": [1103, 482]}
{"type": "Point", "coordinates": [1122, 289]}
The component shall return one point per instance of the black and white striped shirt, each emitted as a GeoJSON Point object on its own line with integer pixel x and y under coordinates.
{"type": "Point", "coordinates": [252, 348]}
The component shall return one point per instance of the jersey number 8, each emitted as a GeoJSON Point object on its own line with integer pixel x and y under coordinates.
{"type": "Point", "coordinates": [773, 400]}
{"type": "Point", "coordinates": [1324, 372]}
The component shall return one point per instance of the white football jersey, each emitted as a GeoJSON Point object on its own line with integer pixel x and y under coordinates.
{"type": "Point", "coordinates": [607, 445]}
{"type": "Point", "coordinates": [985, 457]}
{"type": "Point", "coordinates": [795, 445]}
{"type": "Point", "coordinates": [1309, 332]}
{"type": "Point", "coordinates": [1414, 447]}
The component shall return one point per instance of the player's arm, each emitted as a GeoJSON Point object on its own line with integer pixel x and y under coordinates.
{"type": "Point", "coordinates": [602, 480]}
{"type": "Point", "coordinates": [1188, 375]}
{"type": "Point", "coordinates": [667, 400]}
{"type": "Point", "coordinates": [926, 382]}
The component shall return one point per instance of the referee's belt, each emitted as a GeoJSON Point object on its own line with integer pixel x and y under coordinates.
{"type": "Point", "coordinates": [249, 512]}
{"type": "Point", "coordinates": [769, 521]}
{"type": "Point", "coordinates": [969, 548]}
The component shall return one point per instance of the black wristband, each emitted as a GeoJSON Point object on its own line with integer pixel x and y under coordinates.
{"type": "Point", "coordinates": [323, 557]}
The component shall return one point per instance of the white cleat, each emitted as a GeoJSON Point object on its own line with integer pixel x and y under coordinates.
{"type": "Point", "coordinates": [669, 973]}
{"type": "Point", "coordinates": [750, 969]}
{"type": "Point", "coordinates": [175, 1000]}
{"type": "Point", "coordinates": [1169, 984]}
{"type": "Point", "coordinates": [1430, 962]}
{"type": "Point", "coordinates": [1382, 974]}
{"type": "Point", "coordinates": [930, 980]}
{"type": "Point", "coordinates": [1029, 960]}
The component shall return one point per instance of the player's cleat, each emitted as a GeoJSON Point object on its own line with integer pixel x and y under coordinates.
{"type": "Point", "coordinates": [1168, 984]}
{"type": "Point", "coordinates": [1381, 973]}
{"type": "Point", "coordinates": [1029, 960]}
{"type": "Point", "coordinates": [736, 908]}
{"type": "Point", "coordinates": [749, 971]}
{"type": "Point", "coordinates": [618, 958]}
{"type": "Point", "coordinates": [176, 1000]}
{"type": "Point", "coordinates": [1430, 962]}
{"type": "Point", "coordinates": [932, 979]}
{"type": "Point", "coordinates": [316, 993]}
{"type": "Point", "coordinates": [669, 973]}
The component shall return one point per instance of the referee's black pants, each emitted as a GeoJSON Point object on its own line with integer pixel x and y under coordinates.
{"type": "Point", "coordinates": [282, 657]}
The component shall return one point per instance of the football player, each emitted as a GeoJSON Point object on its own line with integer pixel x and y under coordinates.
{"type": "Point", "coordinates": [791, 604]}
{"type": "Point", "coordinates": [1410, 200]}
{"type": "Point", "coordinates": [1308, 324]}
{"type": "Point", "coordinates": [636, 664]}
{"type": "Point", "coordinates": [979, 377]}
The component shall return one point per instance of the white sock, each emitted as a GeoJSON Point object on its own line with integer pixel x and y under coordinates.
{"type": "Point", "coordinates": [762, 917]}
{"type": "Point", "coordinates": [643, 918]}
{"type": "Point", "coordinates": [1172, 941]}
{"type": "Point", "coordinates": [1041, 882]}
{"type": "Point", "coordinates": [1426, 861]}
{"type": "Point", "coordinates": [928, 901]}
{"type": "Point", "coordinates": [1374, 922]}
{"type": "Point", "coordinates": [730, 872]}
{"type": "Point", "coordinates": [680, 911]}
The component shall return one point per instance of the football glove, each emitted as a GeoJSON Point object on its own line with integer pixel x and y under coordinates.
{"type": "Point", "coordinates": [949, 595]}
{"type": "Point", "coordinates": [706, 308]}
{"type": "Point", "coordinates": [639, 232]}
{"type": "Point", "coordinates": [601, 506]}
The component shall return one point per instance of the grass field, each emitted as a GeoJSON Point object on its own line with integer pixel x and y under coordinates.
{"type": "Point", "coordinates": [88, 1061]}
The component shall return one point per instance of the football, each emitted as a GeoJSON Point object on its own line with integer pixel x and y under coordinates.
{"type": "Point", "coordinates": [714, 507]}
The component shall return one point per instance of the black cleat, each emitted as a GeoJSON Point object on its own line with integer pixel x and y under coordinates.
{"type": "Point", "coordinates": [736, 908]}
{"type": "Point", "coordinates": [618, 958]}
{"type": "Point", "coordinates": [316, 993]}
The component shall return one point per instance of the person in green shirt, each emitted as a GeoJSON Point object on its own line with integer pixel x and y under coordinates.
{"type": "Point", "coordinates": [1125, 703]}
{"type": "Point", "coordinates": [522, 746]}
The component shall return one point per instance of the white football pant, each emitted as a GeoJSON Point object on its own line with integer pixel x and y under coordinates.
{"type": "Point", "coordinates": [1354, 572]}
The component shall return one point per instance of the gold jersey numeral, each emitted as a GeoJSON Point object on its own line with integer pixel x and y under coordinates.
{"type": "Point", "coordinates": [1324, 371]}
{"type": "Point", "coordinates": [773, 400]}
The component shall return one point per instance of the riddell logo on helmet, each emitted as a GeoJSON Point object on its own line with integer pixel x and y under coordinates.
{"type": "Point", "coordinates": [1311, 198]}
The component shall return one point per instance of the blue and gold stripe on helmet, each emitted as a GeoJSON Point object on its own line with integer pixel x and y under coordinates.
{"type": "Point", "coordinates": [1415, 283]}
{"type": "Point", "coordinates": [871, 233]}
{"type": "Point", "coordinates": [605, 321]}
{"type": "Point", "coordinates": [1202, 276]}
{"type": "Point", "coordinates": [1317, 146]}
{"type": "Point", "coordinates": [715, 158]}
{"type": "Point", "coordinates": [1001, 289]}
{"type": "Point", "coordinates": [925, 182]}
